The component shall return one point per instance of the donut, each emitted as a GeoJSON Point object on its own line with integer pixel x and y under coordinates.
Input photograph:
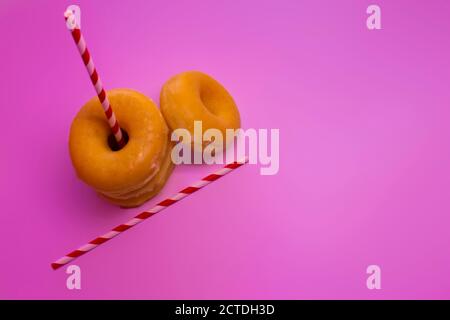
{"type": "Point", "coordinates": [195, 96]}
{"type": "Point", "coordinates": [132, 175]}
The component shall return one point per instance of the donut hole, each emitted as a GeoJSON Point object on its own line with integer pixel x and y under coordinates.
{"type": "Point", "coordinates": [112, 142]}
{"type": "Point", "coordinates": [209, 102]}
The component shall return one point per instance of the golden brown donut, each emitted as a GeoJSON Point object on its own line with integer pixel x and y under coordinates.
{"type": "Point", "coordinates": [135, 165]}
{"type": "Point", "coordinates": [194, 96]}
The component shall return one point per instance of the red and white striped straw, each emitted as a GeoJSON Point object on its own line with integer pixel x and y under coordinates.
{"type": "Point", "coordinates": [74, 28]}
{"type": "Point", "coordinates": [147, 214]}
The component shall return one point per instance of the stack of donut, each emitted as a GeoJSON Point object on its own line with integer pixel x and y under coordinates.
{"type": "Point", "coordinates": [137, 172]}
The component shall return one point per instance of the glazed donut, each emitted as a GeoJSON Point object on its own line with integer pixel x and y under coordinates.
{"type": "Point", "coordinates": [194, 96]}
{"type": "Point", "coordinates": [132, 175]}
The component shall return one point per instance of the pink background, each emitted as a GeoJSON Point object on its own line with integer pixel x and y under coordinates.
{"type": "Point", "coordinates": [364, 160]}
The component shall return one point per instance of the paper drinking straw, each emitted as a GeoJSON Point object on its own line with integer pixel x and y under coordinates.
{"type": "Point", "coordinates": [147, 214]}
{"type": "Point", "coordinates": [75, 30]}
